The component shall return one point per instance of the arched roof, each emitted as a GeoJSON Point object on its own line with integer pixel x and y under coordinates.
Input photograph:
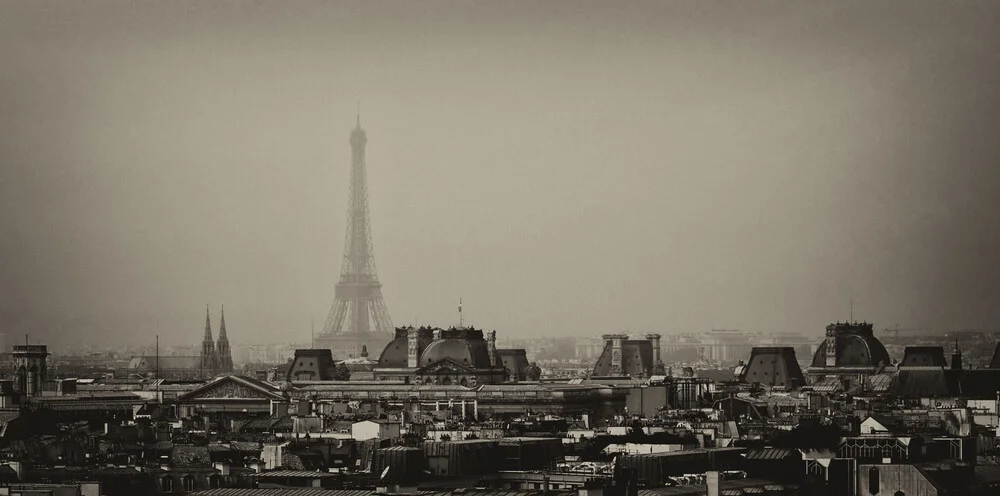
{"type": "Point", "coordinates": [854, 350]}
{"type": "Point", "coordinates": [467, 351]}
{"type": "Point", "coordinates": [394, 354]}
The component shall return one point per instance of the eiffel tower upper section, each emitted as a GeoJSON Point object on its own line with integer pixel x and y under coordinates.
{"type": "Point", "coordinates": [358, 307]}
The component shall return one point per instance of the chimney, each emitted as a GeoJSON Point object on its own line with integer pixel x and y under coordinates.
{"type": "Point", "coordinates": [712, 481]}
{"type": "Point", "coordinates": [412, 348]}
{"type": "Point", "coordinates": [654, 341]}
{"type": "Point", "coordinates": [437, 334]}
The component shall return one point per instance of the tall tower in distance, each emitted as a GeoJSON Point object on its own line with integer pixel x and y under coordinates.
{"type": "Point", "coordinates": [358, 316]}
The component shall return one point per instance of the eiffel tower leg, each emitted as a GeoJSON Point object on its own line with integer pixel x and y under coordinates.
{"type": "Point", "coordinates": [383, 324]}
{"type": "Point", "coordinates": [335, 320]}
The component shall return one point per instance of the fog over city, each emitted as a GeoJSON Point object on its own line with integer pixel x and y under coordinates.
{"type": "Point", "coordinates": [567, 168]}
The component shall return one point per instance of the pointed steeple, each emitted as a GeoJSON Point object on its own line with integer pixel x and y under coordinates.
{"type": "Point", "coordinates": [224, 357]}
{"type": "Point", "coordinates": [208, 325]}
{"type": "Point", "coordinates": [222, 326]}
{"type": "Point", "coordinates": [207, 345]}
{"type": "Point", "coordinates": [956, 357]}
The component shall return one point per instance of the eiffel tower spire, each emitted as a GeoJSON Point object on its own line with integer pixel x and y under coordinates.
{"type": "Point", "coordinates": [358, 308]}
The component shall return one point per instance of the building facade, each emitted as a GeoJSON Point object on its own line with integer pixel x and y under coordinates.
{"type": "Point", "coordinates": [457, 356]}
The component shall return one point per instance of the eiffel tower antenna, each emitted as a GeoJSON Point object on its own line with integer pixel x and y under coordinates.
{"type": "Point", "coordinates": [461, 321]}
{"type": "Point", "coordinates": [358, 315]}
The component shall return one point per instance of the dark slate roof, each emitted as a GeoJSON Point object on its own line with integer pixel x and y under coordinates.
{"type": "Point", "coordinates": [933, 382]}
{"type": "Point", "coordinates": [923, 356]}
{"type": "Point", "coordinates": [995, 362]}
{"type": "Point", "coordinates": [773, 366]}
{"type": "Point", "coordinates": [980, 383]}
{"type": "Point", "coordinates": [292, 473]}
{"type": "Point", "coordinates": [637, 359]}
{"type": "Point", "coordinates": [190, 456]}
{"type": "Point", "coordinates": [771, 454]}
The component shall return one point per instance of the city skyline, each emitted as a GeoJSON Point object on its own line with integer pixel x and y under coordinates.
{"type": "Point", "coordinates": [567, 168]}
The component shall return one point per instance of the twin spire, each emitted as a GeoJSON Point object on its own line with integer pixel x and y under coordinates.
{"type": "Point", "coordinates": [208, 325]}
{"type": "Point", "coordinates": [216, 356]}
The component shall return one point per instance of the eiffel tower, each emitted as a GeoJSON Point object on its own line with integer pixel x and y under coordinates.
{"type": "Point", "coordinates": [358, 316]}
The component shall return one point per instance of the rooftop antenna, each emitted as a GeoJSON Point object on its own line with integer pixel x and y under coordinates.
{"type": "Point", "coordinates": [852, 308]}
{"type": "Point", "coordinates": [312, 334]}
{"type": "Point", "coordinates": [461, 322]}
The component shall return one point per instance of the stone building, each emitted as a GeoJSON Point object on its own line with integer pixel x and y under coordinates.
{"type": "Point", "coordinates": [849, 352]}
{"type": "Point", "coordinates": [459, 356]}
{"type": "Point", "coordinates": [30, 368]}
{"type": "Point", "coordinates": [624, 357]}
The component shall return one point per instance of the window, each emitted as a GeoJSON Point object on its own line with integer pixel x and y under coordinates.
{"type": "Point", "coordinates": [873, 480]}
{"type": "Point", "coordinates": [214, 481]}
{"type": "Point", "coordinates": [167, 484]}
{"type": "Point", "coordinates": [188, 482]}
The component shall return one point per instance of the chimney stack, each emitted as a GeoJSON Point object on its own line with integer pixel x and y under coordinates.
{"type": "Point", "coordinates": [654, 341]}
{"type": "Point", "coordinates": [412, 348]}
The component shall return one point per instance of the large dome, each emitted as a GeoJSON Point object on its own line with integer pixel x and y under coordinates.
{"type": "Point", "coordinates": [856, 345]}
{"type": "Point", "coordinates": [468, 351]}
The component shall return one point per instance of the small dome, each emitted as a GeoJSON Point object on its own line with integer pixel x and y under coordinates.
{"type": "Point", "coordinates": [470, 351]}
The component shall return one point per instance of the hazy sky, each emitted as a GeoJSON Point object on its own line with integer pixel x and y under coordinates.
{"type": "Point", "coordinates": [567, 168]}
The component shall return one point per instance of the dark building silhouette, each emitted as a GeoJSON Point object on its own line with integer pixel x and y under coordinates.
{"type": "Point", "coordinates": [923, 356]}
{"type": "Point", "coordinates": [629, 357]}
{"type": "Point", "coordinates": [312, 365]}
{"type": "Point", "coordinates": [773, 366]}
{"type": "Point", "coordinates": [30, 368]}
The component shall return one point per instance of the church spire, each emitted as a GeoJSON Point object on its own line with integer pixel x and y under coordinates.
{"type": "Point", "coordinates": [224, 356]}
{"type": "Point", "coordinates": [207, 345]}
{"type": "Point", "coordinates": [208, 325]}
{"type": "Point", "coordinates": [222, 326]}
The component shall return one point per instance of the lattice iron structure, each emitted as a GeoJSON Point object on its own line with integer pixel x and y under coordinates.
{"type": "Point", "coordinates": [358, 307]}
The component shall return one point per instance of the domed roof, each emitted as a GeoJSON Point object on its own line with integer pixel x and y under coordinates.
{"type": "Point", "coordinates": [857, 346]}
{"type": "Point", "coordinates": [394, 353]}
{"type": "Point", "coordinates": [466, 351]}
